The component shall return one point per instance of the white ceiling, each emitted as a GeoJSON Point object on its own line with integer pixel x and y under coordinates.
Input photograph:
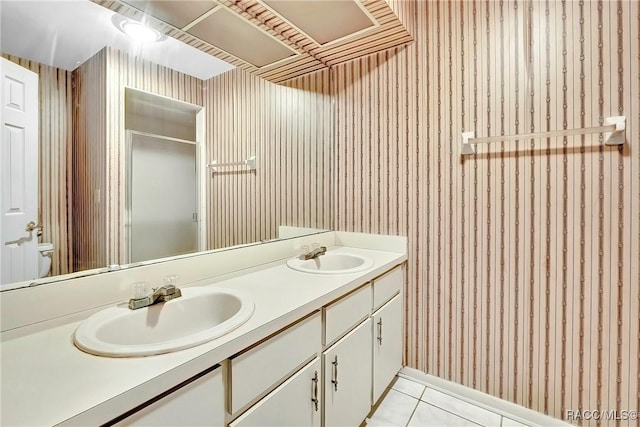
{"type": "Point", "coordinates": [65, 34]}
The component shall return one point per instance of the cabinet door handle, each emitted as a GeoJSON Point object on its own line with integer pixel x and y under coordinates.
{"type": "Point", "coordinates": [314, 399]}
{"type": "Point", "coordinates": [334, 381]}
{"type": "Point", "coordinates": [380, 331]}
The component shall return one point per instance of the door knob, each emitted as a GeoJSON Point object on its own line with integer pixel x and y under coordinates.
{"type": "Point", "coordinates": [32, 226]}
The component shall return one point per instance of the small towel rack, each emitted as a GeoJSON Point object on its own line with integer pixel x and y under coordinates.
{"type": "Point", "coordinates": [613, 130]}
{"type": "Point", "coordinates": [250, 163]}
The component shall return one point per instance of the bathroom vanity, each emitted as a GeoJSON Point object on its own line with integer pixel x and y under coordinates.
{"type": "Point", "coordinates": [319, 349]}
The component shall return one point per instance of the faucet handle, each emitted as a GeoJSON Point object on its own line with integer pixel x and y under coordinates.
{"type": "Point", "coordinates": [171, 280]}
{"type": "Point", "coordinates": [140, 290]}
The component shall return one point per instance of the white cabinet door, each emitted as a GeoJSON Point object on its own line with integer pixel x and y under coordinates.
{"type": "Point", "coordinates": [347, 378]}
{"type": "Point", "coordinates": [387, 345]}
{"type": "Point", "coordinates": [199, 403]}
{"type": "Point", "coordinates": [295, 403]}
{"type": "Point", "coordinates": [258, 370]}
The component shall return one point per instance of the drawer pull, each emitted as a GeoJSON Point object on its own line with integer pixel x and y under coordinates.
{"type": "Point", "coordinates": [380, 331]}
{"type": "Point", "coordinates": [334, 381]}
{"type": "Point", "coordinates": [314, 399]}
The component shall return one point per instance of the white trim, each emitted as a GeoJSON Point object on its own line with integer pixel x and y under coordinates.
{"type": "Point", "coordinates": [200, 18]}
{"type": "Point", "coordinates": [158, 136]}
{"type": "Point", "coordinates": [194, 107]}
{"type": "Point", "coordinates": [201, 174]}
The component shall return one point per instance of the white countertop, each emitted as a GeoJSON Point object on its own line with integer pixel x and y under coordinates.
{"type": "Point", "coordinates": [46, 380]}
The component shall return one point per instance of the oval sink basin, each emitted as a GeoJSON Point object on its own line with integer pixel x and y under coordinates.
{"type": "Point", "coordinates": [198, 316]}
{"type": "Point", "coordinates": [331, 263]}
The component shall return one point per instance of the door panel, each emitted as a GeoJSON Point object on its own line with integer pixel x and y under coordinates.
{"type": "Point", "coordinates": [18, 173]}
{"type": "Point", "coordinates": [348, 402]}
{"type": "Point", "coordinates": [387, 345]}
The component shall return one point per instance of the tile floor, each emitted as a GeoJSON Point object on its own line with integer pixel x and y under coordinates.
{"type": "Point", "coordinates": [412, 404]}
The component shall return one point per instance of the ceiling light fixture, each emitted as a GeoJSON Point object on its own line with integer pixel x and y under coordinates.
{"type": "Point", "coordinates": [137, 31]}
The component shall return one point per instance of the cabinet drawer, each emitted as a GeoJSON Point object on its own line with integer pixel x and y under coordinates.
{"type": "Point", "coordinates": [257, 370]}
{"type": "Point", "coordinates": [289, 405]}
{"type": "Point", "coordinates": [199, 403]}
{"type": "Point", "coordinates": [386, 286]}
{"type": "Point", "coordinates": [346, 313]}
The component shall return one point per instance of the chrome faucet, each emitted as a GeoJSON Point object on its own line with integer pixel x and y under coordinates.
{"type": "Point", "coordinates": [314, 253]}
{"type": "Point", "coordinates": [162, 294]}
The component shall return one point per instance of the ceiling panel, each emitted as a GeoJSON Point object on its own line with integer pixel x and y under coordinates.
{"type": "Point", "coordinates": [229, 32]}
{"type": "Point", "coordinates": [175, 12]}
{"type": "Point", "coordinates": [325, 21]}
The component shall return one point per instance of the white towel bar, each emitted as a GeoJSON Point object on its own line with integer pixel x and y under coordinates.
{"type": "Point", "coordinates": [614, 134]}
{"type": "Point", "coordinates": [250, 163]}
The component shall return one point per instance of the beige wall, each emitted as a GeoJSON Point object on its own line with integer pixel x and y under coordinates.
{"type": "Point", "coordinates": [288, 129]}
{"type": "Point", "coordinates": [89, 164]}
{"type": "Point", "coordinates": [524, 259]}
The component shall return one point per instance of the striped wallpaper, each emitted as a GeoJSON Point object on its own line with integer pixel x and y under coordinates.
{"type": "Point", "coordinates": [288, 129]}
{"type": "Point", "coordinates": [54, 158]}
{"type": "Point", "coordinates": [89, 164]}
{"type": "Point", "coordinates": [524, 271]}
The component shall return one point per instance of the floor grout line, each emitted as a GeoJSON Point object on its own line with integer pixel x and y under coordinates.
{"type": "Point", "coordinates": [454, 414]}
{"type": "Point", "coordinates": [413, 412]}
{"type": "Point", "coordinates": [419, 400]}
{"type": "Point", "coordinates": [407, 394]}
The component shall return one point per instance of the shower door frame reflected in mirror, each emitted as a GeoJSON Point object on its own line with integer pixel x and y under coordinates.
{"type": "Point", "coordinates": [199, 215]}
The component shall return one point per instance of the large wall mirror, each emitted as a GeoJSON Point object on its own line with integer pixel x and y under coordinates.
{"type": "Point", "coordinates": [145, 150]}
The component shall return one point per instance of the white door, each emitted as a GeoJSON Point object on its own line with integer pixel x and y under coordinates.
{"type": "Point", "coordinates": [18, 173]}
{"type": "Point", "coordinates": [347, 378]}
